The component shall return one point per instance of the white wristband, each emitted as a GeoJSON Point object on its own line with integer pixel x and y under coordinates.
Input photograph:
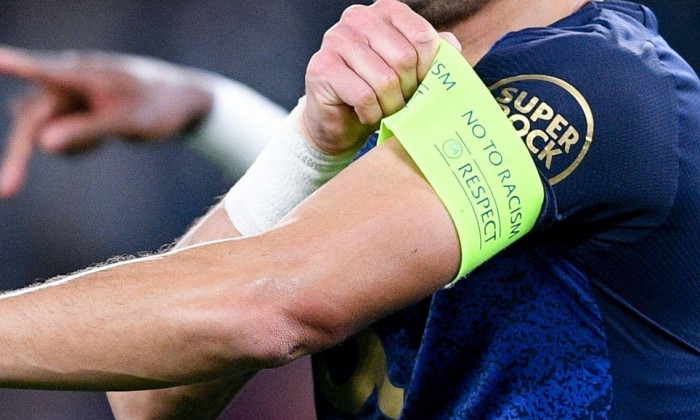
{"type": "Point", "coordinates": [240, 124]}
{"type": "Point", "coordinates": [286, 172]}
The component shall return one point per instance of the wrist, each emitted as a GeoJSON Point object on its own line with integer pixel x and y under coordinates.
{"type": "Point", "coordinates": [335, 131]}
{"type": "Point", "coordinates": [237, 126]}
{"type": "Point", "coordinates": [287, 171]}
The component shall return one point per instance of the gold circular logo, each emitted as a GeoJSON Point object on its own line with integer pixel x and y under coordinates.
{"type": "Point", "coordinates": [553, 119]}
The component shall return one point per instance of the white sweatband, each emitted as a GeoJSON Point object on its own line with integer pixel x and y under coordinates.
{"type": "Point", "coordinates": [286, 172]}
{"type": "Point", "coordinates": [238, 127]}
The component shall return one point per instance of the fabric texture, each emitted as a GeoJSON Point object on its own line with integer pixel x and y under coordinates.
{"type": "Point", "coordinates": [595, 313]}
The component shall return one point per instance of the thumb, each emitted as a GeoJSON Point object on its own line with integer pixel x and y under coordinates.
{"type": "Point", "coordinates": [12, 175]}
{"type": "Point", "coordinates": [452, 39]}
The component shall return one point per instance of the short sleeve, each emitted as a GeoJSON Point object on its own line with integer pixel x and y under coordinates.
{"type": "Point", "coordinates": [600, 121]}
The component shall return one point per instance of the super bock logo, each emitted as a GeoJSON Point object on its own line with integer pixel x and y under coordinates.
{"type": "Point", "coordinates": [553, 119]}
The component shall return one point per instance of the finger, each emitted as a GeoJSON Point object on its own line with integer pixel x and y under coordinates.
{"type": "Point", "coordinates": [19, 63]}
{"type": "Point", "coordinates": [452, 39]}
{"type": "Point", "coordinates": [400, 55]}
{"type": "Point", "coordinates": [55, 69]}
{"type": "Point", "coordinates": [75, 131]}
{"type": "Point", "coordinates": [418, 31]}
{"type": "Point", "coordinates": [337, 85]}
{"type": "Point", "coordinates": [366, 26]}
{"type": "Point", "coordinates": [378, 75]}
{"type": "Point", "coordinates": [13, 173]}
{"type": "Point", "coordinates": [29, 115]}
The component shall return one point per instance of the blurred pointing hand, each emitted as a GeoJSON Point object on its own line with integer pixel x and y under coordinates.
{"type": "Point", "coordinates": [82, 97]}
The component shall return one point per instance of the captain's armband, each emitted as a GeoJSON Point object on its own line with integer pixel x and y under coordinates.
{"type": "Point", "coordinates": [472, 157]}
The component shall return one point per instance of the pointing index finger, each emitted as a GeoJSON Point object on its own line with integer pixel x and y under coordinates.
{"type": "Point", "coordinates": [19, 63]}
{"type": "Point", "coordinates": [38, 67]}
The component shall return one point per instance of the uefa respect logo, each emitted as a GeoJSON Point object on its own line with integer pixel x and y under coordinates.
{"type": "Point", "coordinates": [453, 149]}
{"type": "Point", "coordinates": [553, 119]}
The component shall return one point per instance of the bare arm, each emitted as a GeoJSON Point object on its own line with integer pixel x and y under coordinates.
{"type": "Point", "coordinates": [205, 400]}
{"type": "Point", "coordinates": [234, 306]}
{"type": "Point", "coordinates": [215, 394]}
{"type": "Point", "coordinates": [80, 97]}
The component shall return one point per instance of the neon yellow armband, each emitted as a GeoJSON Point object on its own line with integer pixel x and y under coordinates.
{"type": "Point", "coordinates": [472, 157]}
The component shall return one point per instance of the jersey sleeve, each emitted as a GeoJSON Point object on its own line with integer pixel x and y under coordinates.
{"type": "Point", "coordinates": [600, 121]}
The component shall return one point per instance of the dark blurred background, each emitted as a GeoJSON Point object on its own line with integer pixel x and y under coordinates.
{"type": "Point", "coordinates": [125, 198]}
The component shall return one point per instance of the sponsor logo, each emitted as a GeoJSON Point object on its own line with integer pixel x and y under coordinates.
{"type": "Point", "coordinates": [553, 119]}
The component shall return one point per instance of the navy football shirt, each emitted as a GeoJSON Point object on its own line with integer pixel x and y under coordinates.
{"type": "Point", "coordinates": [596, 313]}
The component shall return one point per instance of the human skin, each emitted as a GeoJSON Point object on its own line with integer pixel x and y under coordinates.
{"type": "Point", "coordinates": [300, 299]}
{"type": "Point", "coordinates": [238, 305]}
{"type": "Point", "coordinates": [232, 321]}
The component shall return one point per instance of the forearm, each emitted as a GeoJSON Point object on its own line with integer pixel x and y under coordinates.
{"type": "Point", "coordinates": [234, 306]}
{"type": "Point", "coordinates": [141, 324]}
{"type": "Point", "coordinates": [216, 225]}
{"type": "Point", "coordinates": [199, 401]}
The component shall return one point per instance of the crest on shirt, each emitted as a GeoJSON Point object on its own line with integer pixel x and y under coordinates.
{"type": "Point", "coordinates": [553, 119]}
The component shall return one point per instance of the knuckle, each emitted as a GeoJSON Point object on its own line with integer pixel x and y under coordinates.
{"type": "Point", "coordinates": [394, 8]}
{"type": "Point", "coordinates": [353, 13]}
{"type": "Point", "coordinates": [314, 63]}
{"type": "Point", "coordinates": [369, 115]}
{"type": "Point", "coordinates": [337, 39]}
{"type": "Point", "coordinates": [360, 19]}
{"type": "Point", "coordinates": [425, 36]}
{"type": "Point", "coordinates": [332, 39]}
{"type": "Point", "coordinates": [319, 67]}
{"type": "Point", "coordinates": [390, 4]}
{"type": "Point", "coordinates": [388, 80]}
{"type": "Point", "coordinates": [406, 58]}
{"type": "Point", "coordinates": [364, 98]}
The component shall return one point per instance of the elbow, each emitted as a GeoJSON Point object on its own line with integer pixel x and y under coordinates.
{"type": "Point", "coordinates": [275, 329]}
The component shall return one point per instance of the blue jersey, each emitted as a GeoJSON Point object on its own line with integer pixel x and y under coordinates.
{"type": "Point", "coordinates": [596, 313]}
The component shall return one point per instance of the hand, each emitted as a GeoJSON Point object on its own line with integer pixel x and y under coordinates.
{"type": "Point", "coordinates": [81, 97]}
{"type": "Point", "coordinates": [369, 65]}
